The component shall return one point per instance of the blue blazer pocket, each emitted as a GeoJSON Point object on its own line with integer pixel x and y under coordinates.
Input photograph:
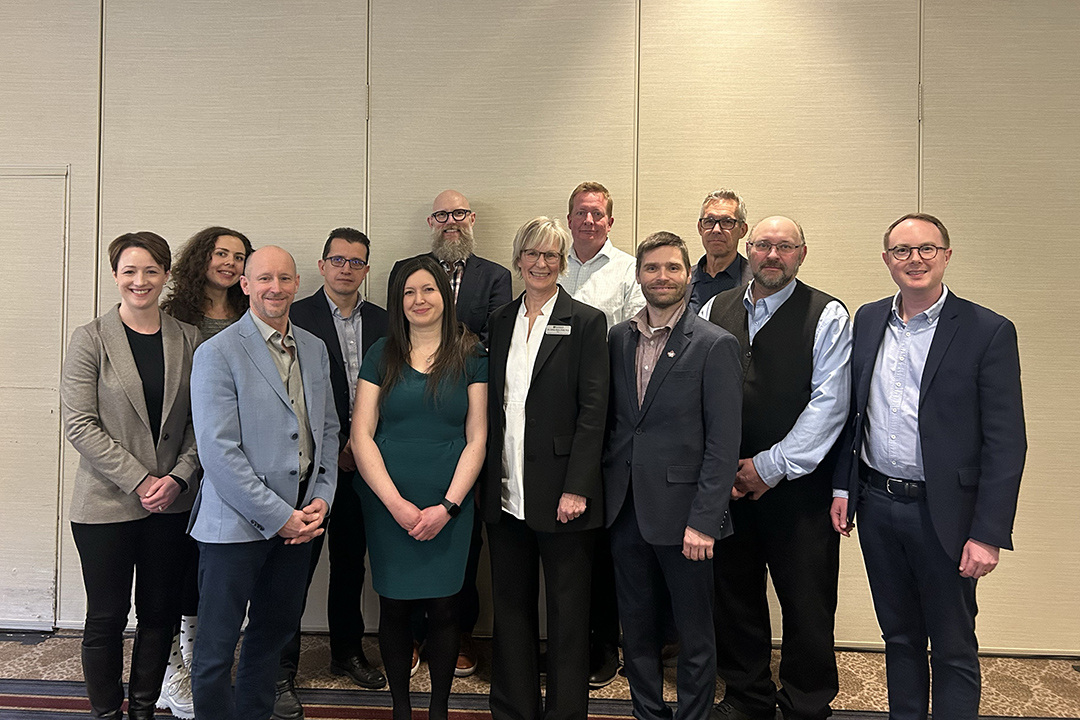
{"type": "Point", "coordinates": [683, 474]}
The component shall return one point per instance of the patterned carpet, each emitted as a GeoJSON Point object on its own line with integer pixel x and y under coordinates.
{"type": "Point", "coordinates": [1012, 687]}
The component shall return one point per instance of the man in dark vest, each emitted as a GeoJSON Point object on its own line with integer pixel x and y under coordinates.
{"type": "Point", "coordinates": [796, 352]}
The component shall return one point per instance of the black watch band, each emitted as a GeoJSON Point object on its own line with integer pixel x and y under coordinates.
{"type": "Point", "coordinates": [452, 508]}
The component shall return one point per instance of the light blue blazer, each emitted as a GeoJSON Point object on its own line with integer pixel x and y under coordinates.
{"type": "Point", "coordinates": [246, 432]}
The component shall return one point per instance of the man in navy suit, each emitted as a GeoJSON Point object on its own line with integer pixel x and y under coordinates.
{"type": "Point", "coordinates": [267, 435]}
{"type": "Point", "coordinates": [479, 286]}
{"type": "Point", "coordinates": [672, 449]}
{"type": "Point", "coordinates": [931, 461]}
{"type": "Point", "coordinates": [348, 324]}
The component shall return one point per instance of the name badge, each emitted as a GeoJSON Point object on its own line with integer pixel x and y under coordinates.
{"type": "Point", "coordinates": [557, 330]}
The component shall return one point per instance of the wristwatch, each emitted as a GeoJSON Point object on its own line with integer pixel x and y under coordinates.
{"type": "Point", "coordinates": [452, 508]}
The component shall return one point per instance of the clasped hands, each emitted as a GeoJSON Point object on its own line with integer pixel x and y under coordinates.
{"type": "Point", "coordinates": [420, 524]}
{"type": "Point", "coordinates": [157, 493]}
{"type": "Point", "coordinates": [305, 524]}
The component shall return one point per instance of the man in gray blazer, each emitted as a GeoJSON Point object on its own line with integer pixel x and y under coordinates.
{"type": "Point", "coordinates": [674, 425]}
{"type": "Point", "coordinates": [267, 432]}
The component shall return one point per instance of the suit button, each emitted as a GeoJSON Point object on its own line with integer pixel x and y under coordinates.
{"type": "Point", "coordinates": [637, 431]}
{"type": "Point", "coordinates": [532, 421]}
{"type": "Point", "coordinates": [627, 463]}
{"type": "Point", "coordinates": [165, 436]}
{"type": "Point", "coordinates": [295, 436]}
{"type": "Point", "coordinates": [292, 472]}
{"type": "Point", "coordinates": [747, 353]}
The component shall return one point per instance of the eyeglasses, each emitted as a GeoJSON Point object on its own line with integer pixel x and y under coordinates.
{"type": "Point", "coordinates": [926, 252]}
{"type": "Point", "coordinates": [533, 255]}
{"type": "Point", "coordinates": [441, 216]}
{"type": "Point", "coordinates": [725, 223]}
{"type": "Point", "coordinates": [764, 247]}
{"type": "Point", "coordinates": [355, 263]}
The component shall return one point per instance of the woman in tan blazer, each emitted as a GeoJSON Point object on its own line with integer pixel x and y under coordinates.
{"type": "Point", "coordinates": [126, 407]}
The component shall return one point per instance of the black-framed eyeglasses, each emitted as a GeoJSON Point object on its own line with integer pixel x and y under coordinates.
{"type": "Point", "coordinates": [725, 223]}
{"type": "Point", "coordinates": [926, 252]}
{"type": "Point", "coordinates": [532, 256]}
{"type": "Point", "coordinates": [355, 263]}
{"type": "Point", "coordinates": [441, 216]}
{"type": "Point", "coordinates": [765, 247]}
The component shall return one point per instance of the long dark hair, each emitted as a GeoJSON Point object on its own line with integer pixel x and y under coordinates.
{"type": "Point", "coordinates": [187, 296]}
{"type": "Point", "coordinates": [458, 343]}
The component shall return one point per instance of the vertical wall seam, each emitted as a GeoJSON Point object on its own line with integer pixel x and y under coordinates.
{"type": "Point", "coordinates": [637, 125]}
{"type": "Point", "coordinates": [100, 156]}
{"type": "Point", "coordinates": [367, 120]}
{"type": "Point", "coordinates": [919, 118]}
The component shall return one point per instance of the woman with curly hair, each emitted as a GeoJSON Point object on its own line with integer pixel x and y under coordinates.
{"type": "Point", "coordinates": [206, 281]}
{"type": "Point", "coordinates": [205, 293]}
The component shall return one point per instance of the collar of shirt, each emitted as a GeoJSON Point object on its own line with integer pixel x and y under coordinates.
{"type": "Point", "coordinates": [930, 315]}
{"type": "Point", "coordinates": [451, 267]}
{"type": "Point", "coordinates": [733, 270]}
{"type": "Point", "coordinates": [336, 311]}
{"type": "Point", "coordinates": [641, 321]}
{"type": "Point", "coordinates": [759, 312]}
{"type": "Point", "coordinates": [604, 252]}
{"type": "Point", "coordinates": [270, 335]}
{"type": "Point", "coordinates": [546, 308]}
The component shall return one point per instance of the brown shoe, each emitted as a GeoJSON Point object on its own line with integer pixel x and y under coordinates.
{"type": "Point", "coordinates": [466, 659]}
{"type": "Point", "coordinates": [415, 658]}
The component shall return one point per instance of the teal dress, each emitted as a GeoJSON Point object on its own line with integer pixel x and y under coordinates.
{"type": "Point", "coordinates": [420, 441]}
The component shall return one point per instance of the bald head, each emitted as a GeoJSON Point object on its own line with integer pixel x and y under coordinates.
{"type": "Point", "coordinates": [776, 249]}
{"type": "Point", "coordinates": [450, 200]}
{"type": "Point", "coordinates": [270, 280]}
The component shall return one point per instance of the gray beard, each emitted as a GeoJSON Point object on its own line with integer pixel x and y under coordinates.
{"type": "Point", "coordinates": [777, 284]}
{"type": "Point", "coordinates": [451, 252]}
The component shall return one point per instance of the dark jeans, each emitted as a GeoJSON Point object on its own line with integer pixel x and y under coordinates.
{"type": "Point", "coordinates": [150, 551]}
{"type": "Point", "coordinates": [269, 575]}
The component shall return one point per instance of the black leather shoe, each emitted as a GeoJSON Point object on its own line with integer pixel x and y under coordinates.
{"type": "Point", "coordinates": [360, 671]}
{"type": "Point", "coordinates": [286, 702]}
{"type": "Point", "coordinates": [726, 711]}
{"type": "Point", "coordinates": [603, 667]}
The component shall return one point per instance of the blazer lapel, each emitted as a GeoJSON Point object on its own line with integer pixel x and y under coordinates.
{"type": "Point", "coordinates": [314, 392]}
{"type": "Point", "coordinates": [172, 342]}
{"type": "Point", "coordinates": [946, 330]}
{"type": "Point", "coordinates": [560, 315]}
{"type": "Point", "coordinates": [629, 359]}
{"type": "Point", "coordinates": [116, 345]}
{"type": "Point", "coordinates": [680, 338]}
{"type": "Point", "coordinates": [867, 349]}
{"type": "Point", "coordinates": [327, 332]}
{"type": "Point", "coordinates": [252, 341]}
{"type": "Point", "coordinates": [467, 289]}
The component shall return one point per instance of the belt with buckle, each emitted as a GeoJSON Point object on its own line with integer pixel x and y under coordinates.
{"type": "Point", "coordinates": [894, 486]}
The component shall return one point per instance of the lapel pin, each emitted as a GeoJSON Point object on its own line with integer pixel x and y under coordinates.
{"type": "Point", "coordinates": [671, 353]}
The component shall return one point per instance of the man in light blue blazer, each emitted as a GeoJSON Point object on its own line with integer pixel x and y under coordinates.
{"type": "Point", "coordinates": [267, 432]}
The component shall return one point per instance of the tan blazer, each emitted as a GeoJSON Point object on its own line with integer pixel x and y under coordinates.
{"type": "Point", "coordinates": [105, 419]}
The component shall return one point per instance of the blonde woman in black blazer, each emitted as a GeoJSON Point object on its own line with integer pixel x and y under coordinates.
{"type": "Point", "coordinates": [127, 411]}
{"type": "Point", "coordinates": [542, 493]}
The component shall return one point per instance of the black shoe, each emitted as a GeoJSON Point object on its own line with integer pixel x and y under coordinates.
{"type": "Point", "coordinates": [360, 671]}
{"type": "Point", "coordinates": [603, 667]}
{"type": "Point", "coordinates": [726, 711]}
{"type": "Point", "coordinates": [286, 702]}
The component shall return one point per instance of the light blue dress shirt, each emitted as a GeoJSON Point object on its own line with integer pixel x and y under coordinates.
{"type": "Point", "coordinates": [891, 442]}
{"type": "Point", "coordinates": [350, 334]}
{"type": "Point", "coordinates": [821, 421]}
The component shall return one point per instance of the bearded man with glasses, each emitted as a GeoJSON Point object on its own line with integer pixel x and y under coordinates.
{"type": "Point", "coordinates": [722, 225]}
{"type": "Point", "coordinates": [796, 351]}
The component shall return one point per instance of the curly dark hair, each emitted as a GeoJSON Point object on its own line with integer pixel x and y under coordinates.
{"type": "Point", "coordinates": [187, 293]}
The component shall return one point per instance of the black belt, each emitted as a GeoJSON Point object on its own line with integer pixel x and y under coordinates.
{"type": "Point", "coordinates": [893, 486]}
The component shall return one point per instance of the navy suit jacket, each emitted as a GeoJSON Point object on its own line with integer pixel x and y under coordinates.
{"type": "Point", "coordinates": [971, 421]}
{"type": "Point", "coordinates": [313, 314]}
{"type": "Point", "coordinates": [681, 447]}
{"type": "Point", "coordinates": [565, 413]}
{"type": "Point", "coordinates": [485, 285]}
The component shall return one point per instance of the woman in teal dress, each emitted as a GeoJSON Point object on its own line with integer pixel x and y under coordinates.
{"type": "Point", "coordinates": [419, 432]}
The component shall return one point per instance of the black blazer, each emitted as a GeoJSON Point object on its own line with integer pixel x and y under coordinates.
{"type": "Point", "coordinates": [971, 421]}
{"type": "Point", "coordinates": [485, 285]}
{"type": "Point", "coordinates": [313, 314]}
{"type": "Point", "coordinates": [682, 446]}
{"type": "Point", "coordinates": [565, 413]}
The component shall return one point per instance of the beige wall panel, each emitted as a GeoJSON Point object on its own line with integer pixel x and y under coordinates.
{"type": "Point", "coordinates": [245, 114]}
{"type": "Point", "coordinates": [513, 104]}
{"type": "Point", "coordinates": [31, 206]}
{"type": "Point", "coordinates": [1001, 160]}
{"type": "Point", "coordinates": [49, 52]}
{"type": "Point", "coordinates": [807, 110]}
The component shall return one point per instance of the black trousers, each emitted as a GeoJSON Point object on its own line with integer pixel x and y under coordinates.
{"type": "Point", "coordinates": [918, 595]}
{"type": "Point", "coordinates": [646, 577]}
{"type": "Point", "coordinates": [344, 611]}
{"type": "Point", "coordinates": [786, 534]}
{"type": "Point", "coordinates": [517, 551]}
{"type": "Point", "coordinates": [150, 551]}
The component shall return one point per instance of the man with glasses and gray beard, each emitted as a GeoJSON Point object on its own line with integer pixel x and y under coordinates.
{"type": "Point", "coordinates": [480, 286]}
{"type": "Point", "coordinates": [796, 353]}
